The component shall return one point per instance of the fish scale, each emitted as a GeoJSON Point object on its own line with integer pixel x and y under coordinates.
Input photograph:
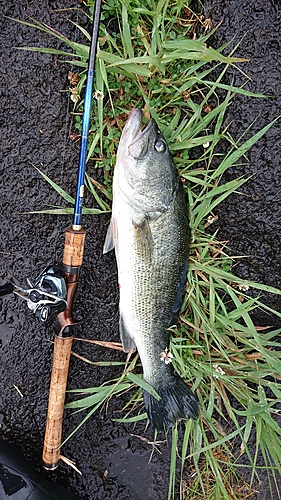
{"type": "Point", "coordinates": [150, 233]}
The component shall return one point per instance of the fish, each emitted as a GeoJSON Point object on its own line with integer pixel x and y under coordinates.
{"type": "Point", "coordinates": [149, 230]}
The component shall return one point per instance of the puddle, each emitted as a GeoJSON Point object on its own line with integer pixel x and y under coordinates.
{"type": "Point", "coordinates": [3, 426]}
{"type": "Point", "coordinates": [134, 470]}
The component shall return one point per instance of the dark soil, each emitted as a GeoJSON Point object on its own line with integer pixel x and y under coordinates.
{"type": "Point", "coordinates": [35, 118]}
{"type": "Point", "coordinates": [250, 221]}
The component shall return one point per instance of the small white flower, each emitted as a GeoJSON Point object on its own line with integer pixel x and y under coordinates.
{"type": "Point", "coordinates": [219, 370]}
{"type": "Point", "coordinates": [242, 287]}
{"type": "Point", "coordinates": [206, 145]}
{"type": "Point", "coordinates": [211, 219]}
{"type": "Point", "coordinates": [75, 97]}
{"type": "Point", "coordinates": [98, 94]}
{"type": "Point", "coordinates": [166, 356]}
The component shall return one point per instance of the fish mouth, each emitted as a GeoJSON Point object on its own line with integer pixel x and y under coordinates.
{"type": "Point", "coordinates": [135, 137]}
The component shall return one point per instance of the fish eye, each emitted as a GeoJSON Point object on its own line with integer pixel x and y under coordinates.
{"type": "Point", "coordinates": [160, 146]}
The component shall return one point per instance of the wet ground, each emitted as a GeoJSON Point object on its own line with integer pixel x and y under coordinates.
{"type": "Point", "coordinates": [35, 128]}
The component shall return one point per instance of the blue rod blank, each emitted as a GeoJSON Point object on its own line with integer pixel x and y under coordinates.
{"type": "Point", "coordinates": [88, 98]}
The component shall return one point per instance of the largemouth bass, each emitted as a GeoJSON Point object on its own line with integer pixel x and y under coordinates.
{"type": "Point", "coordinates": [150, 233]}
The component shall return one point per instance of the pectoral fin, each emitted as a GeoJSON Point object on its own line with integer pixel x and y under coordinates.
{"type": "Point", "coordinates": [143, 238]}
{"type": "Point", "coordinates": [111, 236]}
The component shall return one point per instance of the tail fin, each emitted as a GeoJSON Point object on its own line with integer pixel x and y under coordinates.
{"type": "Point", "coordinates": [177, 401]}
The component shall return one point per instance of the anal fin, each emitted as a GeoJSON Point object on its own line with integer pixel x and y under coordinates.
{"type": "Point", "coordinates": [127, 341]}
{"type": "Point", "coordinates": [111, 236]}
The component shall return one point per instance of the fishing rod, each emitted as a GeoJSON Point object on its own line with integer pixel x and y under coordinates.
{"type": "Point", "coordinates": [52, 293]}
{"type": "Point", "coordinates": [71, 263]}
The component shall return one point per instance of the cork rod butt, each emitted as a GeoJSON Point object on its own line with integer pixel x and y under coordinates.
{"type": "Point", "coordinates": [53, 433]}
{"type": "Point", "coordinates": [50, 466]}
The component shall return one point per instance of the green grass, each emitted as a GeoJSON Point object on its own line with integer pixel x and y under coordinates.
{"type": "Point", "coordinates": [148, 57]}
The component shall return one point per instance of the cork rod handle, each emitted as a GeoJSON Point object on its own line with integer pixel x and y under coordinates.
{"type": "Point", "coordinates": [53, 433]}
{"type": "Point", "coordinates": [72, 260]}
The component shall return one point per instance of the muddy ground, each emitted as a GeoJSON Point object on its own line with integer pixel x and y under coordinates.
{"type": "Point", "coordinates": [35, 124]}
